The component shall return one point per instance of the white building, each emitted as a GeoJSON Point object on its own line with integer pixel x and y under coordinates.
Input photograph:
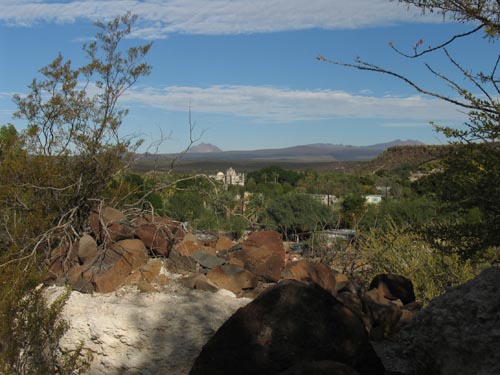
{"type": "Point", "coordinates": [230, 177]}
{"type": "Point", "coordinates": [373, 199]}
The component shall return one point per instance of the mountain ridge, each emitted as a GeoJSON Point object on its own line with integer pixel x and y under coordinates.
{"type": "Point", "coordinates": [315, 151]}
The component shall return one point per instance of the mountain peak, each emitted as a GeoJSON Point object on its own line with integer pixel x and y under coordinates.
{"type": "Point", "coordinates": [204, 148]}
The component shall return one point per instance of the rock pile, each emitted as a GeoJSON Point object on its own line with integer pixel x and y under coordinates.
{"type": "Point", "coordinates": [309, 318]}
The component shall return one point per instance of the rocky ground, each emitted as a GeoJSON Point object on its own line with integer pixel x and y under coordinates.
{"type": "Point", "coordinates": [133, 332]}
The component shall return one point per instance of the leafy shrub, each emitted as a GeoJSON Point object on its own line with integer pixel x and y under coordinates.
{"type": "Point", "coordinates": [30, 331]}
{"type": "Point", "coordinates": [397, 249]}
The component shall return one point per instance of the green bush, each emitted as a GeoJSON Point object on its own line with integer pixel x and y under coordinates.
{"type": "Point", "coordinates": [30, 331]}
{"type": "Point", "coordinates": [399, 250]}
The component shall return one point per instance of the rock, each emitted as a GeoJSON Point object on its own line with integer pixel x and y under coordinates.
{"type": "Point", "coordinates": [87, 248]}
{"type": "Point", "coordinates": [286, 325]}
{"type": "Point", "coordinates": [320, 368]}
{"type": "Point", "coordinates": [112, 267]}
{"type": "Point", "coordinates": [384, 314]}
{"type": "Point", "coordinates": [459, 332]}
{"type": "Point", "coordinates": [341, 280]}
{"type": "Point", "coordinates": [304, 270]}
{"type": "Point", "coordinates": [200, 282]}
{"type": "Point", "coordinates": [100, 220]}
{"type": "Point", "coordinates": [223, 243]}
{"type": "Point", "coordinates": [62, 258]}
{"type": "Point", "coordinates": [151, 270]}
{"type": "Point", "coordinates": [187, 247]}
{"type": "Point", "coordinates": [394, 287]}
{"type": "Point", "coordinates": [177, 263]}
{"type": "Point", "coordinates": [154, 237]}
{"type": "Point", "coordinates": [207, 260]}
{"type": "Point", "coordinates": [146, 287]}
{"type": "Point", "coordinates": [129, 332]}
{"type": "Point", "coordinates": [233, 278]}
{"type": "Point", "coordinates": [120, 230]}
{"type": "Point", "coordinates": [263, 254]}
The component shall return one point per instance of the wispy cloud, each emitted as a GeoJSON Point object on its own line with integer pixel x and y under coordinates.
{"type": "Point", "coordinates": [406, 124]}
{"type": "Point", "coordinates": [160, 18]}
{"type": "Point", "coordinates": [271, 104]}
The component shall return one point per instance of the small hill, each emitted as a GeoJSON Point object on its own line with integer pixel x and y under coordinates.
{"type": "Point", "coordinates": [204, 148]}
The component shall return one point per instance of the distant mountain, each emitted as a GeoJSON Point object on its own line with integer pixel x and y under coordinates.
{"type": "Point", "coordinates": [204, 148]}
{"type": "Point", "coordinates": [311, 152]}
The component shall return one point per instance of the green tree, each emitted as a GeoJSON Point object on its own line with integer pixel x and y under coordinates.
{"type": "Point", "coordinates": [353, 208]}
{"type": "Point", "coordinates": [297, 214]}
{"type": "Point", "coordinates": [52, 175]}
{"type": "Point", "coordinates": [468, 183]}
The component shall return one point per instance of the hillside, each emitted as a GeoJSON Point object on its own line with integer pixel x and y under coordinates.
{"type": "Point", "coordinates": [322, 157]}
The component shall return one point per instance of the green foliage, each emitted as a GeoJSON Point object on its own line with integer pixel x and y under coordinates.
{"type": "Point", "coordinates": [297, 214]}
{"type": "Point", "coordinates": [468, 194]}
{"type": "Point", "coordinates": [274, 174]}
{"type": "Point", "coordinates": [353, 208]}
{"type": "Point", "coordinates": [399, 250]}
{"type": "Point", "coordinates": [30, 329]}
{"type": "Point", "coordinates": [51, 175]}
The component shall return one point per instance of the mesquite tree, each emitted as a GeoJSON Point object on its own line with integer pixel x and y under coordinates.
{"type": "Point", "coordinates": [468, 185]}
{"type": "Point", "coordinates": [71, 148]}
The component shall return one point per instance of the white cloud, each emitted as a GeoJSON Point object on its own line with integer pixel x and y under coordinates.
{"type": "Point", "coordinates": [271, 104]}
{"type": "Point", "coordinates": [406, 124]}
{"type": "Point", "coordinates": [159, 18]}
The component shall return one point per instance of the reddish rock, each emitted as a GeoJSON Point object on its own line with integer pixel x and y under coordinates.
{"type": "Point", "coordinates": [118, 230]}
{"type": "Point", "coordinates": [286, 325]}
{"type": "Point", "coordinates": [188, 248]}
{"type": "Point", "coordinates": [100, 220]}
{"type": "Point", "coordinates": [223, 243]}
{"type": "Point", "coordinates": [200, 282]}
{"type": "Point", "coordinates": [263, 254]}
{"type": "Point", "coordinates": [112, 267]}
{"type": "Point", "coordinates": [232, 278]}
{"type": "Point", "coordinates": [304, 270]}
{"type": "Point", "coordinates": [155, 238]}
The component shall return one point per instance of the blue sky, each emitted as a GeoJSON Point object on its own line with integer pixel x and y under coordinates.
{"type": "Point", "coordinates": [248, 68]}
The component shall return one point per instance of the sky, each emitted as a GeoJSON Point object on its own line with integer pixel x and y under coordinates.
{"type": "Point", "coordinates": [247, 69]}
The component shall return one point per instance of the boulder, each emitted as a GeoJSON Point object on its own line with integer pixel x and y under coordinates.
{"type": "Point", "coordinates": [304, 270]}
{"type": "Point", "coordinates": [223, 244]}
{"type": "Point", "coordinates": [87, 248]}
{"type": "Point", "coordinates": [207, 260]}
{"type": "Point", "coordinates": [320, 368]}
{"type": "Point", "coordinates": [263, 254]}
{"type": "Point", "coordinates": [171, 230]}
{"type": "Point", "coordinates": [383, 313]}
{"type": "Point", "coordinates": [458, 332]}
{"type": "Point", "coordinates": [155, 238]}
{"type": "Point", "coordinates": [111, 268]}
{"type": "Point", "coordinates": [189, 245]}
{"type": "Point", "coordinates": [101, 219]}
{"type": "Point", "coordinates": [119, 230]}
{"type": "Point", "coordinates": [200, 282]}
{"type": "Point", "coordinates": [394, 287]}
{"type": "Point", "coordinates": [233, 278]}
{"type": "Point", "coordinates": [286, 325]}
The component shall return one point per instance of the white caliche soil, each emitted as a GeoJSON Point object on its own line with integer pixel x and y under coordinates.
{"type": "Point", "coordinates": [129, 332]}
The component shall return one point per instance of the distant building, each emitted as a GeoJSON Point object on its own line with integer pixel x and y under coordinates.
{"type": "Point", "coordinates": [230, 177]}
{"type": "Point", "coordinates": [326, 199]}
{"type": "Point", "coordinates": [373, 199]}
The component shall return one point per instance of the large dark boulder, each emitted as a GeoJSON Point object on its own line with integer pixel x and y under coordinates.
{"type": "Point", "coordinates": [459, 332]}
{"type": "Point", "coordinates": [394, 287]}
{"type": "Point", "coordinates": [286, 326]}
